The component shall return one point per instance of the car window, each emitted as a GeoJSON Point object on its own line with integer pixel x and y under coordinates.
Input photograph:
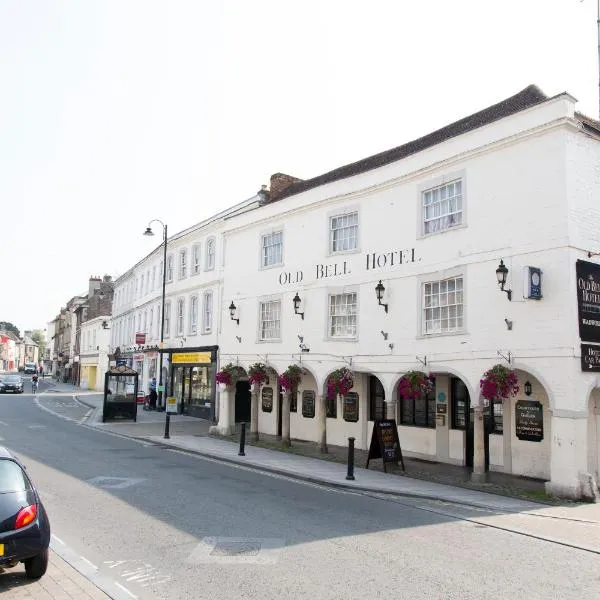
{"type": "Point", "coordinates": [13, 378]}
{"type": "Point", "coordinates": [12, 478]}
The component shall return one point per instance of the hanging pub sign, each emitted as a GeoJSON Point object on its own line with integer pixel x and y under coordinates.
{"type": "Point", "coordinates": [588, 300]}
{"type": "Point", "coordinates": [385, 443]}
{"type": "Point", "coordinates": [590, 358]}
{"type": "Point", "coordinates": [350, 407]}
{"type": "Point", "coordinates": [267, 399]}
{"type": "Point", "coordinates": [308, 404]}
{"type": "Point", "coordinates": [529, 421]}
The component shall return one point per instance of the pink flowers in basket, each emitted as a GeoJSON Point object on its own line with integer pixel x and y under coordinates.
{"type": "Point", "coordinates": [499, 383]}
{"type": "Point", "coordinates": [415, 384]}
{"type": "Point", "coordinates": [341, 381]}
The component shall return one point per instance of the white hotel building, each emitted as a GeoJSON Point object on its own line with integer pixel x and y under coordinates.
{"type": "Point", "coordinates": [432, 219]}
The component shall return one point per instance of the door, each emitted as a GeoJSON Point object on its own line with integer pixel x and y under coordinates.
{"type": "Point", "coordinates": [242, 402]}
{"type": "Point", "coordinates": [92, 378]}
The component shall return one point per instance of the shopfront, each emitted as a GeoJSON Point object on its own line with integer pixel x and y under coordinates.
{"type": "Point", "coordinates": [192, 381]}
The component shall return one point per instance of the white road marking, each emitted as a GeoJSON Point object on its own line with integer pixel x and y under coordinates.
{"type": "Point", "coordinates": [3, 423]}
{"type": "Point", "coordinates": [36, 426]}
{"type": "Point", "coordinates": [58, 539]}
{"type": "Point", "coordinates": [142, 573]}
{"type": "Point", "coordinates": [125, 589]}
{"type": "Point", "coordinates": [88, 562]}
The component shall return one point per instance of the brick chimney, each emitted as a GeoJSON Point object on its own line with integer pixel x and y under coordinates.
{"type": "Point", "coordinates": [281, 182]}
{"type": "Point", "coordinates": [94, 284]}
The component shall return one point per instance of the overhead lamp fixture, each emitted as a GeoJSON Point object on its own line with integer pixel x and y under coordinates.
{"type": "Point", "coordinates": [233, 312]}
{"type": "Point", "coordinates": [501, 273]}
{"type": "Point", "coordinates": [379, 290]}
{"type": "Point", "coordinates": [149, 231]}
{"type": "Point", "coordinates": [298, 305]}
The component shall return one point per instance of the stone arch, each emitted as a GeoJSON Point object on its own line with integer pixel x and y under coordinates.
{"type": "Point", "coordinates": [519, 366]}
{"type": "Point", "coordinates": [593, 432]}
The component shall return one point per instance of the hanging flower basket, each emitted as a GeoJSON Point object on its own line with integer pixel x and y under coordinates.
{"type": "Point", "coordinates": [415, 384]}
{"type": "Point", "coordinates": [227, 375]}
{"type": "Point", "coordinates": [291, 377]}
{"type": "Point", "coordinates": [499, 383]}
{"type": "Point", "coordinates": [341, 381]}
{"type": "Point", "coordinates": [257, 375]}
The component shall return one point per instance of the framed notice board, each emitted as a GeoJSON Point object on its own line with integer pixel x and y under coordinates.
{"type": "Point", "coordinates": [350, 407]}
{"type": "Point", "coordinates": [267, 399]}
{"type": "Point", "coordinates": [308, 404]}
{"type": "Point", "coordinates": [529, 421]}
{"type": "Point", "coordinates": [385, 443]}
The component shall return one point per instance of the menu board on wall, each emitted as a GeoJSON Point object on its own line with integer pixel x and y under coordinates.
{"type": "Point", "coordinates": [308, 404]}
{"type": "Point", "coordinates": [350, 407]}
{"type": "Point", "coordinates": [529, 421]}
{"type": "Point", "coordinates": [267, 399]}
{"type": "Point", "coordinates": [385, 443]}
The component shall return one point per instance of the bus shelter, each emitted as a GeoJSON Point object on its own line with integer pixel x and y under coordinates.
{"type": "Point", "coordinates": [120, 394]}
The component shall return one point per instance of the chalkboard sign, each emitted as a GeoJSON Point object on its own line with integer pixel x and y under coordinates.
{"type": "Point", "coordinates": [385, 443]}
{"type": "Point", "coordinates": [267, 399]}
{"type": "Point", "coordinates": [529, 420]}
{"type": "Point", "coordinates": [308, 404]}
{"type": "Point", "coordinates": [350, 407]}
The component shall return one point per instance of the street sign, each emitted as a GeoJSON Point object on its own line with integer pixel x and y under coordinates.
{"type": "Point", "coordinates": [140, 338]}
{"type": "Point", "coordinates": [590, 358]}
{"type": "Point", "coordinates": [171, 405]}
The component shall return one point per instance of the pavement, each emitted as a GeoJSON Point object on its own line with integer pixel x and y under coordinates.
{"type": "Point", "coordinates": [190, 434]}
{"type": "Point", "coordinates": [61, 582]}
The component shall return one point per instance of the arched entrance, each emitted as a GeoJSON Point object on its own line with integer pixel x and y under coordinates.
{"type": "Point", "coordinates": [594, 434]}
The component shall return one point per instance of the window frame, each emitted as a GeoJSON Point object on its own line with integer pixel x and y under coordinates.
{"type": "Point", "coordinates": [263, 237]}
{"type": "Point", "coordinates": [342, 292]}
{"type": "Point", "coordinates": [438, 182]}
{"type": "Point", "coordinates": [167, 319]}
{"type": "Point", "coordinates": [207, 316]}
{"type": "Point", "coordinates": [497, 423]}
{"type": "Point", "coordinates": [210, 243]}
{"type": "Point", "coordinates": [262, 302]}
{"type": "Point", "coordinates": [454, 424]}
{"type": "Point", "coordinates": [196, 260]}
{"type": "Point", "coordinates": [441, 276]}
{"type": "Point", "coordinates": [373, 383]}
{"type": "Point", "coordinates": [430, 408]}
{"type": "Point", "coordinates": [180, 322]}
{"type": "Point", "coordinates": [182, 263]}
{"type": "Point", "coordinates": [193, 315]}
{"type": "Point", "coordinates": [170, 268]}
{"type": "Point", "coordinates": [346, 212]}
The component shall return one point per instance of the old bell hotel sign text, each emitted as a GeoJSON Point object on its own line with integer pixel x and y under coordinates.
{"type": "Point", "coordinates": [588, 300]}
{"type": "Point", "coordinates": [374, 261]}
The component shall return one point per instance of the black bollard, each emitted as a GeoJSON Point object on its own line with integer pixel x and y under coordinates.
{"type": "Point", "coordinates": [350, 475]}
{"type": "Point", "coordinates": [167, 424]}
{"type": "Point", "coordinates": [242, 440]}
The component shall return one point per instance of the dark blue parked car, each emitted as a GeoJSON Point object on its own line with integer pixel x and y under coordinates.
{"type": "Point", "coordinates": [24, 524]}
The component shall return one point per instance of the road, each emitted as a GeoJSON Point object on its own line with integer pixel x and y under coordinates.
{"type": "Point", "coordinates": [159, 523]}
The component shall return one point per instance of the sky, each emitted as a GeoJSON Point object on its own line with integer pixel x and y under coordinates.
{"type": "Point", "coordinates": [116, 112]}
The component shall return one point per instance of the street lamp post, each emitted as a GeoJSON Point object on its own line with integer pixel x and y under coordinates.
{"type": "Point", "coordinates": [149, 232]}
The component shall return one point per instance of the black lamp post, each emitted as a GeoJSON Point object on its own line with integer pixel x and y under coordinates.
{"type": "Point", "coordinates": [149, 232]}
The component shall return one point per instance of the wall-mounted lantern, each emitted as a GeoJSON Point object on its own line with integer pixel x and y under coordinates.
{"type": "Point", "coordinates": [379, 290]}
{"type": "Point", "coordinates": [501, 273]}
{"type": "Point", "coordinates": [298, 305]}
{"type": "Point", "coordinates": [233, 312]}
{"type": "Point", "coordinates": [527, 388]}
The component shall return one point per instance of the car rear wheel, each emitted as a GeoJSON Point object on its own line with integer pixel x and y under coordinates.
{"type": "Point", "coordinates": [36, 566]}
